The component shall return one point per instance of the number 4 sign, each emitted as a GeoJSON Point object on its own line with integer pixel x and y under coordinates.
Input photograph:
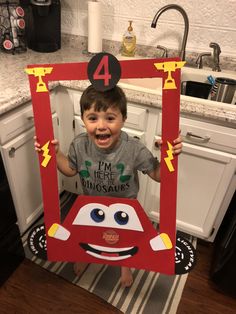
{"type": "Point", "coordinates": [104, 71]}
{"type": "Point", "coordinates": [105, 229]}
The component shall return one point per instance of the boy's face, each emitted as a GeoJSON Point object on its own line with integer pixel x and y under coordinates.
{"type": "Point", "coordinates": [103, 127]}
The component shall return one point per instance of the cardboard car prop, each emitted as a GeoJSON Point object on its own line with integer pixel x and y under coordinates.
{"type": "Point", "coordinates": [105, 229]}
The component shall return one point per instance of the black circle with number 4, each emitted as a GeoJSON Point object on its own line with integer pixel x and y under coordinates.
{"type": "Point", "coordinates": [185, 256]}
{"type": "Point", "coordinates": [37, 242]}
{"type": "Point", "coordinates": [104, 71]}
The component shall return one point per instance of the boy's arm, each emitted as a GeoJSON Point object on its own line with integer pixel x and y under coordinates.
{"type": "Point", "coordinates": [155, 174]}
{"type": "Point", "coordinates": [63, 165]}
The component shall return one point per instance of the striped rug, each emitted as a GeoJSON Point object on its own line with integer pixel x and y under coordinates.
{"type": "Point", "coordinates": [150, 292]}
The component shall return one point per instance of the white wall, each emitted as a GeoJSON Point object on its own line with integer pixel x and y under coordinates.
{"type": "Point", "coordinates": [211, 20]}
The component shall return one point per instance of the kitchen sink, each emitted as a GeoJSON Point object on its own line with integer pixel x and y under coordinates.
{"type": "Point", "coordinates": [196, 89]}
{"type": "Point", "coordinates": [194, 83]}
{"type": "Point", "coordinates": [198, 83]}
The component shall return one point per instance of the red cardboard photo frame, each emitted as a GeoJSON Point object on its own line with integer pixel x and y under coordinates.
{"type": "Point", "coordinates": [167, 69]}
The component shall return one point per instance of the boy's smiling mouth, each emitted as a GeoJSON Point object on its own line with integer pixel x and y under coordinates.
{"type": "Point", "coordinates": [103, 140]}
{"type": "Point", "coordinates": [102, 136]}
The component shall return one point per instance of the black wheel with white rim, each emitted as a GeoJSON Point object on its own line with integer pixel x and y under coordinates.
{"type": "Point", "coordinates": [37, 242]}
{"type": "Point", "coordinates": [185, 256]}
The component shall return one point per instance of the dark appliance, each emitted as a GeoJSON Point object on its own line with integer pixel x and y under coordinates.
{"type": "Point", "coordinates": [43, 25]}
{"type": "Point", "coordinates": [223, 269]}
{"type": "Point", "coordinates": [11, 248]}
{"type": "Point", "coordinates": [12, 27]}
{"type": "Point", "coordinates": [223, 89]}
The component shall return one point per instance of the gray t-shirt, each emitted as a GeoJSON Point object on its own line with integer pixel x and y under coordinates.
{"type": "Point", "coordinates": [110, 172]}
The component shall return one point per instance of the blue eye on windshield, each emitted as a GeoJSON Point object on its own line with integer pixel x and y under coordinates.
{"type": "Point", "coordinates": [121, 217]}
{"type": "Point", "coordinates": [97, 215]}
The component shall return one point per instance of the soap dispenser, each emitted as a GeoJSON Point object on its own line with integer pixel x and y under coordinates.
{"type": "Point", "coordinates": [129, 42]}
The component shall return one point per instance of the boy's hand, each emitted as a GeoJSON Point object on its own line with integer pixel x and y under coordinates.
{"type": "Point", "coordinates": [55, 142]}
{"type": "Point", "coordinates": [177, 145]}
{"type": "Point", "coordinates": [37, 146]}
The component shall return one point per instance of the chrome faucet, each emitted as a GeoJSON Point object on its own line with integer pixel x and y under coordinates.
{"type": "Point", "coordinates": [216, 56]}
{"type": "Point", "coordinates": [199, 61]}
{"type": "Point", "coordinates": [164, 51]}
{"type": "Point", "coordinates": [186, 24]}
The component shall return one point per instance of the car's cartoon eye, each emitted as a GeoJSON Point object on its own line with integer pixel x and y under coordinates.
{"type": "Point", "coordinates": [121, 217]}
{"type": "Point", "coordinates": [116, 215]}
{"type": "Point", "coordinates": [97, 215]}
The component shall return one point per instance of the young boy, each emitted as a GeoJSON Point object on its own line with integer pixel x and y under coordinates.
{"type": "Point", "coordinates": [106, 158]}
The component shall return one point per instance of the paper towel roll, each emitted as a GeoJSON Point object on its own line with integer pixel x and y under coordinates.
{"type": "Point", "coordinates": [94, 27]}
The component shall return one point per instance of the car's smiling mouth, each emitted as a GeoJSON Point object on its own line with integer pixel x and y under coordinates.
{"type": "Point", "coordinates": [113, 254]}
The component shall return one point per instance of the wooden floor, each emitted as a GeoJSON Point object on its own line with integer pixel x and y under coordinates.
{"type": "Point", "coordinates": [201, 295]}
{"type": "Point", "coordinates": [32, 289]}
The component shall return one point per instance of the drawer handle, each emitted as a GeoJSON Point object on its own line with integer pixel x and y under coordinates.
{"type": "Point", "coordinates": [197, 138]}
{"type": "Point", "coordinates": [11, 152]}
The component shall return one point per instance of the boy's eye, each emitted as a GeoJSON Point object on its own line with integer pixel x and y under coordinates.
{"type": "Point", "coordinates": [110, 118]}
{"type": "Point", "coordinates": [92, 118]}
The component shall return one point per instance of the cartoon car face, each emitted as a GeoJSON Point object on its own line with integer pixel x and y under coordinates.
{"type": "Point", "coordinates": [117, 215]}
{"type": "Point", "coordinates": [106, 230]}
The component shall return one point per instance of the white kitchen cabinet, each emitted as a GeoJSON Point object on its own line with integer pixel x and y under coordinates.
{"type": "Point", "coordinates": [205, 177]}
{"type": "Point", "coordinates": [66, 104]}
{"type": "Point", "coordinates": [21, 162]}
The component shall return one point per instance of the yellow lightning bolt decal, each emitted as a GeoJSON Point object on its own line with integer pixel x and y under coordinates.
{"type": "Point", "coordinates": [46, 156]}
{"type": "Point", "coordinates": [169, 158]}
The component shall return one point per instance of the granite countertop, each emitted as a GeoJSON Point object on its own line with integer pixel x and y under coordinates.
{"type": "Point", "coordinates": [15, 89]}
{"type": "Point", "coordinates": [14, 82]}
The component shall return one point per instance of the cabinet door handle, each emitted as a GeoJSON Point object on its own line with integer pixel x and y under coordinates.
{"type": "Point", "coordinates": [197, 138]}
{"type": "Point", "coordinates": [11, 152]}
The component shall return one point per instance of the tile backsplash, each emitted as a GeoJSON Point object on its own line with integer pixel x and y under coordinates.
{"type": "Point", "coordinates": [209, 21]}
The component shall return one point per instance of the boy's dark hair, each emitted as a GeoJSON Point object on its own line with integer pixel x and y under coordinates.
{"type": "Point", "coordinates": [114, 97]}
